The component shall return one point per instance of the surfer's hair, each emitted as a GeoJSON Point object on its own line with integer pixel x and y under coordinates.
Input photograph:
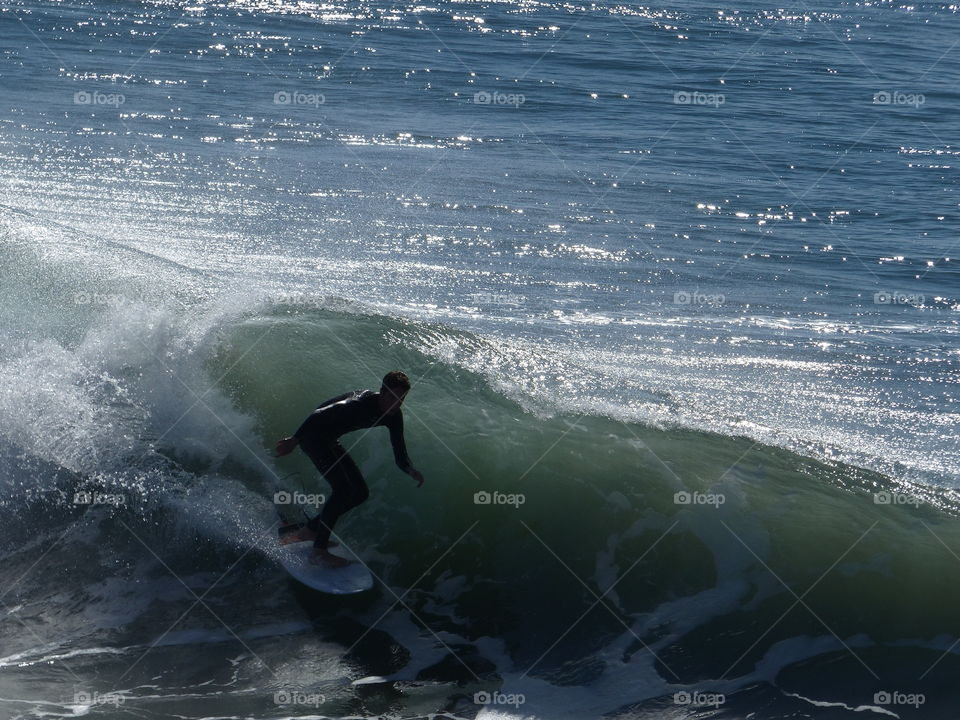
{"type": "Point", "coordinates": [397, 382]}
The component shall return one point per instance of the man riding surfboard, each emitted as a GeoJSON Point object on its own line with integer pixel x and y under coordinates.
{"type": "Point", "coordinates": [318, 437]}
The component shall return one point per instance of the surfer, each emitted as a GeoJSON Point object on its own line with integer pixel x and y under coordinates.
{"type": "Point", "coordinates": [318, 437]}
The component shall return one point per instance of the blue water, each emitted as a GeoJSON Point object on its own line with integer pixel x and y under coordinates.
{"type": "Point", "coordinates": [732, 226]}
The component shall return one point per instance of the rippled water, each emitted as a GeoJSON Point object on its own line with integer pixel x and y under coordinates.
{"type": "Point", "coordinates": [738, 220]}
{"type": "Point", "coordinates": [699, 195]}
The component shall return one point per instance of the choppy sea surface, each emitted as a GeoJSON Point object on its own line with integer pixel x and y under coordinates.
{"type": "Point", "coordinates": [677, 289]}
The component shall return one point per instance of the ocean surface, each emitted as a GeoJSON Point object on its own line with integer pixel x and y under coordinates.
{"type": "Point", "coordinates": [677, 287]}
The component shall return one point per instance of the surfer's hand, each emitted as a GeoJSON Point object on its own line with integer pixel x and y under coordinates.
{"type": "Point", "coordinates": [418, 476]}
{"type": "Point", "coordinates": [286, 446]}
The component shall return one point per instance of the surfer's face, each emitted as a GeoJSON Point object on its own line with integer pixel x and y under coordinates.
{"type": "Point", "coordinates": [389, 400]}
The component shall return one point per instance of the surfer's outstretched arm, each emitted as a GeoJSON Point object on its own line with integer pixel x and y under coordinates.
{"type": "Point", "coordinates": [317, 422]}
{"type": "Point", "coordinates": [395, 424]}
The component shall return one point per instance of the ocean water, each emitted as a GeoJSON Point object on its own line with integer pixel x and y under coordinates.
{"type": "Point", "coordinates": [677, 290]}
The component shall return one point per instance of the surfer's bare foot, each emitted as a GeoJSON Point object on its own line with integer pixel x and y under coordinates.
{"type": "Point", "coordinates": [324, 557]}
{"type": "Point", "coordinates": [302, 535]}
{"type": "Point", "coordinates": [298, 536]}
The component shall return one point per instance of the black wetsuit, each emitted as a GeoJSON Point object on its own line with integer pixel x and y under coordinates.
{"type": "Point", "coordinates": [318, 436]}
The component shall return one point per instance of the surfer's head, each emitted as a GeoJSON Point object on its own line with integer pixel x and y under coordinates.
{"type": "Point", "coordinates": [393, 389]}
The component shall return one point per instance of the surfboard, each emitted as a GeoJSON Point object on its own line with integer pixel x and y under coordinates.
{"type": "Point", "coordinates": [354, 578]}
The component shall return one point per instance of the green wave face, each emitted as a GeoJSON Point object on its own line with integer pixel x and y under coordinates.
{"type": "Point", "coordinates": [710, 551]}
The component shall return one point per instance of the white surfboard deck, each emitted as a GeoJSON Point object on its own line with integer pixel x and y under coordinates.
{"type": "Point", "coordinates": [354, 578]}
